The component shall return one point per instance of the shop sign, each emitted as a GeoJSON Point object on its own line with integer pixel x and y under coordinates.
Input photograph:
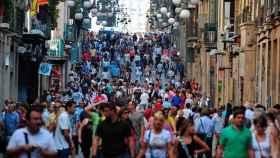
{"type": "Point", "coordinates": [45, 69]}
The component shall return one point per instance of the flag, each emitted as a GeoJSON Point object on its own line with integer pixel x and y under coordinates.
{"type": "Point", "coordinates": [45, 69]}
{"type": "Point", "coordinates": [34, 7]}
{"type": "Point", "coordinates": [43, 2]}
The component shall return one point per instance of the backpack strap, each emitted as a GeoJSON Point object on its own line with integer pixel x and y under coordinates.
{"type": "Point", "coordinates": [27, 142]}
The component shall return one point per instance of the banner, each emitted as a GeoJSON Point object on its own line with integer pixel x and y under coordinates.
{"type": "Point", "coordinates": [45, 69]}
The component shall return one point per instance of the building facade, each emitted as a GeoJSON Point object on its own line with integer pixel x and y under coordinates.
{"type": "Point", "coordinates": [242, 61]}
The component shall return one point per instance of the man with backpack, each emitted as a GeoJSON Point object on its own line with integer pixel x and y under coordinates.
{"type": "Point", "coordinates": [204, 127]}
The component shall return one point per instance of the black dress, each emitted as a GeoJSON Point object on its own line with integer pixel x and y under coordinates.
{"type": "Point", "coordinates": [191, 148]}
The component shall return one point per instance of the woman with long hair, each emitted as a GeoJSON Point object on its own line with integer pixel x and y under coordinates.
{"type": "Point", "coordinates": [188, 141]}
{"type": "Point", "coordinates": [274, 130]}
{"type": "Point", "coordinates": [157, 141]}
{"type": "Point", "coordinates": [261, 140]}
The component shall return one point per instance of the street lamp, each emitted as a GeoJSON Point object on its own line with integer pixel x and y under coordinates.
{"type": "Point", "coordinates": [194, 2]}
{"type": "Point", "coordinates": [159, 15]}
{"type": "Point", "coordinates": [184, 14]}
{"type": "Point", "coordinates": [87, 4]}
{"type": "Point", "coordinates": [176, 2]}
{"type": "Point", "coordinates": [163, 10]}
{"type": "Point", "coordinates": [168, 14]}
{"type": "Point", "coordinates": [70, 3]}
{"type": "Point", "coordinates": [171, 21]}
{"type": "Point", "coordinates": [176, 24]}
{"type": "Point", "coordinates": [178, 10]}
{"type": "Point", "coordinates": [78, 16]}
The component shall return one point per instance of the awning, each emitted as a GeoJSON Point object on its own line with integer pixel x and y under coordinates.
{"type": "Point", "coordinates": [36, 36]}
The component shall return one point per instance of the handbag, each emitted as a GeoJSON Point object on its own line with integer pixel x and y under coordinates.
{"type": "Point", "coordinates": [149, 139]}
{"type": "Point", "coordinates": [260, 148]}
{"type": "Point", "coordinates": [184, 146]}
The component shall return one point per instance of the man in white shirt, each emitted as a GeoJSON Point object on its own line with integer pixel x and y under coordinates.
{"type": "Point", "coordinates": [188, 113]}
{"type": "Point", "coordinates": [62, 137]}
{"type": "Point", "coordinates": [144, 100]}
{"type": "Point", "coordinates": [32, 141]}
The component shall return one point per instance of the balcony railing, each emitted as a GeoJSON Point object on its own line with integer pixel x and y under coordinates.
{"type": "Point", "coordinates": [56, 48]}
{"type": "Point", "coordinates": [45, 28]}
{"type": "Point", "coordinates": [69, 32]}
{"type": "Point", "coordinates": [210, 34]}
{"type": "Point", "coordinates": [246, 15]}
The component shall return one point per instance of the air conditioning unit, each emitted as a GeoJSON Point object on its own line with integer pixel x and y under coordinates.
{"type": "Point", "coordinates": [4, 26]}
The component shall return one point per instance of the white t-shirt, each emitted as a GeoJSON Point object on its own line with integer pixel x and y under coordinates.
{"type": "Point", "coordinates": [43, 139]}
{"type": "Point", "coordinates": [189, 100]}
{"type": "Point", "coordinates": [187, 113]}
{"type": "Point", "coordinates": [144, 98]}
{"type": "Point", "coordinates": [63, 123]}
{"type": "Point", "coordinates": [249, 114]}
{"type": "Point", "coordinates": [157, 143]}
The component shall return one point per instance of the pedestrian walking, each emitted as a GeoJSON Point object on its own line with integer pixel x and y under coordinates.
{"type": "Point", "coordinates": [64, 143]}
{"type": "Point", "coordinates": [113, 132]}
{"type": "Point", "coordinates": [32, 141]}
{"type": "Point", "coordinates": [188, 143]}
{"type": "Point", "coordinates": [236, 138]}
{"type": "Point", "coordinates": [157, 140]}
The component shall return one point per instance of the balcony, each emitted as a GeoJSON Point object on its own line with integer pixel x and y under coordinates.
{"type": "Point", "coordinates": [56, 50]}
{"type": "Point", "coordinates": [69, 32]}
{"type": "Point", "coordinates": [246, 15]}
{"type": "Point", "coordinates": [210, 35]}
{"type": "Point", "coordinates": [44, 28]}
{"type": "Point", "coordinates": [192, 33]}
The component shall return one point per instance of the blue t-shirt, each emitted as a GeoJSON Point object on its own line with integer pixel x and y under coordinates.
{"type": "Point", "coordinates": [11, 121]}
{"type": "Point", "coordinates": [166, 104]}
{"type": "Point", "coordinates": [77, 97]}
{"type": "Point", "coordinates": [176, 100]}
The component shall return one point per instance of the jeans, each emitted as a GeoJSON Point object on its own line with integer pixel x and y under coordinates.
{"type": "Point", "coordinates": [63, 153]}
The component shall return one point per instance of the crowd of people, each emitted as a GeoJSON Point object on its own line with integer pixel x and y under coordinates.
{"type": "Point", "coordinates": [127, 99]}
